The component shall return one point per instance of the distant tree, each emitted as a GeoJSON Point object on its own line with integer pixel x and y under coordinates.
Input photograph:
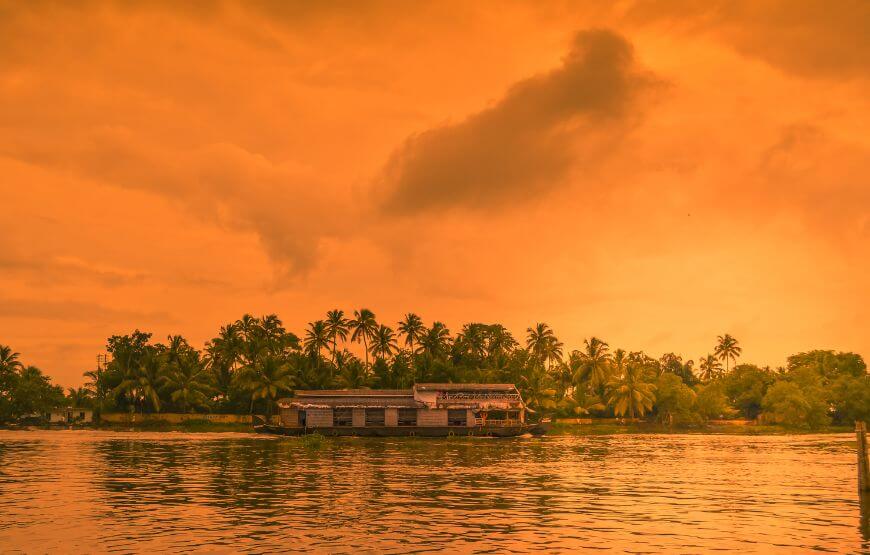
{"type": "Point", "coordinates": [630, 393]}
{"type": "Point", "coordinates": [34, 393]}
{"type": "Point", "coordinates": [412, 328]}
{"type": "Point", "coordinates": [594, 367]}
{"type": "Point", "coordinates": [384, 343]}
{"type": "Point", "coordinates": [187, 380]}
{"type": "Point", "coordinates": [354, 374]}
{"type": "Point", "coordinates": [745, 388]}
{"type": "Point", "coordinates": [364, 327]}
{"type": "Point", "coordinates": [436, 341]}
{"type": "Point", "coordinates": [675, 401]}
{"type": "Point", "coordinates": [538, 388]}
{"type": "Point", "coordinates": [317, 338]}
{"type": "Point", "coordinates": [850, 398]}
{"type": "Point", "coordinates": [266, 378]}
{"type": "Point", "coordinates": [789, 404]}
{"type": "Point", "coordinates": [9, 365]}
{"type": "Point", "coordinates": [727, 350]}
{"type": "Point", "coordinates": [710, 368]}
{"type": "Point", "coordinates": [337, 328]}
{"type": "Point", "coordinates": [543, 344]}
{"type": "Point", "coordinates": [829, 365]}
{"type": "Point", "coordinates": [710, 401]}
{"type": "Point", "coordinates": [79, 397]}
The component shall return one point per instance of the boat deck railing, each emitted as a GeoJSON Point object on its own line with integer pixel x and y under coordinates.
{"type": "Point", "coordinates": [498, 422]}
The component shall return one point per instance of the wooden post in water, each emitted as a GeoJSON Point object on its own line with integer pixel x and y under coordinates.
{"type": "Point", "coordinates": [863, 467]}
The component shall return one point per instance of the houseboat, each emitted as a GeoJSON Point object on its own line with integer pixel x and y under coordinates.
{"type": "Point", "coordinates": [428, 410]}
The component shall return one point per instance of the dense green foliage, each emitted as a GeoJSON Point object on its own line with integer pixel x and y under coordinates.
{"type": "Point", "coordinates": [254, 361]}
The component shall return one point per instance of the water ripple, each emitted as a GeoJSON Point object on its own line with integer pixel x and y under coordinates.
{"type": "Point", "coordinates": [135, 492]}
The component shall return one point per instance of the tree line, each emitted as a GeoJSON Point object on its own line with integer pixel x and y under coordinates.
{"type": "Point", "coordinates": [254, 361]}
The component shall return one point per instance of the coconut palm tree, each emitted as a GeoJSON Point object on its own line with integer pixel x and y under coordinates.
{"type": "Point", "coordinates": [364, 327]}
{"type": "Point", "coordinates": [337, 328]}
{"type": "Point", "coordinates": [412, 328]}
{"type": "Point", "coordinates": [266, 378]}
{"type": "Point", "coordinates": [8, 360]}
{"type": "Point", "coordinates": [728, 349]}
{"type": "Point", "coordinates": [538, 388]}
{"type": "Point", "coordinates": [436, 341]}
{"type": "Point", "coordinates": [472, 342]}
{"type": "Point", "coordinates": [710, 368]}
{"type": "Point", "coordinates": [149, 377]}
{"type": "Point", "coordinates": [384, 342]}
{"type": "Point", "coordinates": [79, 397]}
{"type": "Point", "coordinates": [594, 363]}
{"type": "Point", "coordinates": [186, 379]}
{"type": "Point", "coordinates": [630, 393]}
{"type": "Point", "coordinates": [542, 343]}
{"type": "Point", "coordinates": [354, 374]}
{"type": "Point", "coordinates": [316, 339]}
{"type": "Point", "coordinates": [500, 341]}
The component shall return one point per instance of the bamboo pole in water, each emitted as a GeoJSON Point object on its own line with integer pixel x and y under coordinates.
{"type": "Point", "coordinates": [863, 467]}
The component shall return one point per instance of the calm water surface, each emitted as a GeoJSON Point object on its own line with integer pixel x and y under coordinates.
{"type": "Point", "coordinates": [87, 491]}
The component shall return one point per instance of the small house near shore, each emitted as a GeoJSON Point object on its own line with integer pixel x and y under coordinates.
{"type": "Point", "coordinates": [70, 415]}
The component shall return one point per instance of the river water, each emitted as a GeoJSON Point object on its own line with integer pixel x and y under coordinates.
{"type": "Point", "coordinates": [91, 491]}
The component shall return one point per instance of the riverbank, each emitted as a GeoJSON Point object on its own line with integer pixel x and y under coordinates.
{"type": "Point", "coordinates": [612, 428]}
{"type": "Point", "coordinates": [557, 429]}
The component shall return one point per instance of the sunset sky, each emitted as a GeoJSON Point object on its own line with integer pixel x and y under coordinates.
{"type": "Point", "coordinates": [651, 173]}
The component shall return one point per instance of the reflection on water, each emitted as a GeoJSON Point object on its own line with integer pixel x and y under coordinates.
{"type": "Point", "coordinates": [106, 491]}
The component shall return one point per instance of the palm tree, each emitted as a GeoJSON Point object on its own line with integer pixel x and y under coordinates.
{"type": "Point", "coordinates": [542, 343]}
{"type": "Point", "coordinates": [412, 328]}
{"type": "Point", "coordinates": [336, 327]}
{"type": "Point", "coordinates": [9, 364]}
{"type": "Point", "coordinates": [710, 368]}
{"type": "Point", "coordinates": [501, 341]}
{"type": "Point", "coordinates": [472, 342]}
{"type": "Point", "coordinates": [8, 360]}
{"type": "Point", "coordinates": [364, 327]}
{"type": "Point", "coordinates": [436, 341]}
{"type": "Point", "coordinates": [727, 350]}
{"type": "Point", "coordinates": [384, 342]}
{"type": "Point", "coordinates": [79, 397]}
{"type": "Point", "coordinates": [187, 381]}
{"type": "Point", "coordinates": [538, 388]}
{"type": "Point", "coordinates": [628, 392]}
{"type": "Point", "coordinates": [149, 377]}
{"type": "Point", "coordinates": [353, 374]}
{"type": "Point", "coordinates": [594, 363]}
{"type": "Point", "coordinates": [316, 339]}
{"type": "Point", "coordinates": [266, 378]}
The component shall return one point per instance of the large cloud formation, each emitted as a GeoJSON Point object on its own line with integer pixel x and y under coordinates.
{"type": "Point", "coordinates": [526, 142]}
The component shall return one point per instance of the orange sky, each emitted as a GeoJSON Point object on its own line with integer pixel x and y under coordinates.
{"type": "Point", "coordinates": [651, 173]}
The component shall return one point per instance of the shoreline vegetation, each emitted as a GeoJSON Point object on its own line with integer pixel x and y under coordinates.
{"type": "Point", "coordinates": [252, 362]}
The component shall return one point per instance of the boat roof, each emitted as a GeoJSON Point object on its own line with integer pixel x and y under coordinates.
{"type": "Point", "coordinates": [354, 393]}
{"type": "Point", "coordinates": [506, 387]}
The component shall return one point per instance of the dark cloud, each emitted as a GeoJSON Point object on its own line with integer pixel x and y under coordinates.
{"type": "Point", "coordinates": [220, 183]}
{"type": "Point", "coordinates": [806, 37]}
{"type": "Point", "coordinates": [526, 142]}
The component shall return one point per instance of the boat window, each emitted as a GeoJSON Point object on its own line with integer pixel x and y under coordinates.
{"type": "Point", "coordinates": [457, 417]}
{"type": "Point", "coordinates": [407, 417]}
{"type": "Point", "coordinates": [342, 417]}
{"type": "Point", "coordinates": [374, 417]}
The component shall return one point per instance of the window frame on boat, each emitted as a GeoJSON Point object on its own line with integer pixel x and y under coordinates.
{"type": "Point", "coordinates": [342, 417]}
{"type": "Point", "coordinates": [402, 417]}
{"type": "Point", "coordinates": [457, 417]}
{"type": "Point", "coordinates": [375, 416]}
